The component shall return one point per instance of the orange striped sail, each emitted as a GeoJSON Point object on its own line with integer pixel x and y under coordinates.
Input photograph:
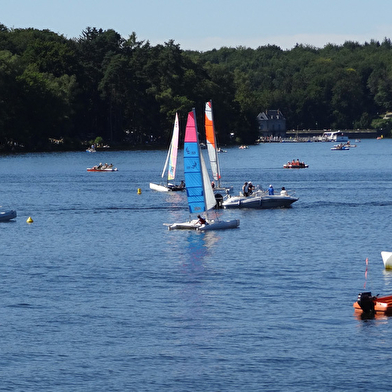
{"type": "Point", "coordinates": [211, 142]}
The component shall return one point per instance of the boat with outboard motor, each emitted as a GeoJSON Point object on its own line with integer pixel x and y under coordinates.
{"type": "Point", "coordinates": [259, 199]}
{"type": "Point", "coordinates": [6, 216]}
{"type": "Point", "coordinates": [295, 164]}
{"type": "Point", "coordinates": [371, 305]}
{"type": "Point", "coordinates": [340, 147]}
{"type": "Point", "coordinates": [199, 191]}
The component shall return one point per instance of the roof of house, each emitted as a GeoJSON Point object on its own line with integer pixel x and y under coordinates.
{"type": "Point", "coordinates": [271, 115]}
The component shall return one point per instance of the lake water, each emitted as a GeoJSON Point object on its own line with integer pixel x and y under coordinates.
{"type": "Point", "coordinates": [97, 295]}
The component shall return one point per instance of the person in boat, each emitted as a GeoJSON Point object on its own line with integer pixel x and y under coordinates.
{"type": "Point", "coordinates": [245, 189]}
{"type": "Point", "coordinates": [213, 184]}
{"type": "Point", "coordinates": [271, 190]}
{"type": "Point", "coordinates": [182, 185]}
{"type": "Point", "coordinates": [283, 192]}
{"type": "Point", "coordinates": [100, 165]}
{"type": "Point", "coordinates": [202, 221]}
{"type": "Point", "coordinates": [250, 188]}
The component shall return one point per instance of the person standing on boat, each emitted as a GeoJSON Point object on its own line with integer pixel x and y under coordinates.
{"type": "Point", "coordinates": [213, 184]}
{"type": "Point", "coordinates": [250, 188]}
{"type": "Point", "coordinates": [245, 189]}
{"type": "Point", "coordinates": [271, 190]}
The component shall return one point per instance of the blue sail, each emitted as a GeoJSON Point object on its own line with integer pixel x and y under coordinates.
{"type": "Point", "coordinates": [192, 167]}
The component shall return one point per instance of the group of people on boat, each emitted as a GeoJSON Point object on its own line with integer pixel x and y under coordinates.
{"type": "Point", "coordinates": [247, 188]}
{"type": "Point", "coordinates": [103, 166]}
{"type": "Point", "coordinates": [296, 163]}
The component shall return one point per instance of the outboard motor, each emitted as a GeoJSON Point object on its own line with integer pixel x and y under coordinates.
{"type": "Point", "coordinates": [219, 200]}
{"type": "Point", "coordinates": [365, 301]}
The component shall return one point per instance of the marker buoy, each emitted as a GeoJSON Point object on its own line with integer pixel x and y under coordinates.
{"type": "Point", "coordinates": [139, 191]}
{"type": "Point", "coordinates": [29, 220]}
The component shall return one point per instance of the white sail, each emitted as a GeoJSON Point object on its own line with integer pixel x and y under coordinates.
{"type": "Point", "coordinates": [209, 196]}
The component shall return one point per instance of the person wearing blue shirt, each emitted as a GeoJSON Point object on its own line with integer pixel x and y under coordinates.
{"type": "Point", "coordinates": [271, 190]}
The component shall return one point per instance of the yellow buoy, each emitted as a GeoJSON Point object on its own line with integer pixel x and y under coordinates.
{"type": "Point", "coordinates": [139, 191]}
{"type": "Point", "coordinates": [29, 220]}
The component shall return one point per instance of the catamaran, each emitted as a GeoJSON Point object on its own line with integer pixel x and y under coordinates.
{"type": "Point", "coordinates": [199, 191]}
{"type": "Point", "coordinates": [171, 163]}
{"type": "Point", "coordinates": [213, 150]}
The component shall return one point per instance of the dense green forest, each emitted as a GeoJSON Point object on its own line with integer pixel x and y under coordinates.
{"type": "Point", "coordinates": [64, 93]}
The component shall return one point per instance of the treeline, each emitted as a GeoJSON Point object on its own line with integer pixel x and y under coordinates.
{"type": "Point", "coordinates": [61, 93]}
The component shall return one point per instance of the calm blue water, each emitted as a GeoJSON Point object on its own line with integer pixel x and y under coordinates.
{"type": "Point", "coordinates": [97, 295]}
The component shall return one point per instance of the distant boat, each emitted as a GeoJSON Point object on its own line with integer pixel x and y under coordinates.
{"type": "Point", "coordinates": [199, 191]}
{"type": "Point", "coordinates": [334, 136]}
{"type": "Point", "coordinates": [102, 168]}
{"type": "Point", "coordinates": [213, 150]}
{"type": "Point", "coordinates": [171, 164]}
{"type": "Point", "coordinates": [295, 165]}
{"type": "Point", "coordinates": [340, 147]}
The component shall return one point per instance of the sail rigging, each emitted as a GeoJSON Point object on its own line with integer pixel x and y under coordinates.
{"type": "Point", "coordinates": [211, 142]}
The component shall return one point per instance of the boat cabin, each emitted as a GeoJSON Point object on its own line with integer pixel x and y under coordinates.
{"type": "Point", "coordinates": [335, 136]}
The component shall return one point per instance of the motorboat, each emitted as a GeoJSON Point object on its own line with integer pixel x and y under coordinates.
{"type": "Point", "coordinates": [295, 165]}
{"type": "Point", "coordinates": [5, 216]}
{"type": "Point", "coordinates": [339, 147]}
{"type": "Point", "coordinates": [259, 199]}
{"type": "Point", "coordinates": [368, 304]}
{"type": "Point", "coordinates": [102, 168]}
{"type": "Point", "coordinates": [387, 259]}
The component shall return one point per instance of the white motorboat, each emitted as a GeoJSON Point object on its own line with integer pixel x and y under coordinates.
{"type": "Point", "coordinates": [387, 259]}
{"type": "Point", "coordinates": [7, 215]}
{"type": "Point", "coordinates": [199, 191]}
{"type": "Point", "coordinates": [259, 199]}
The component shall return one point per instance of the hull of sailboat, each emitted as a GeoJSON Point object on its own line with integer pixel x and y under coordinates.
{"type": "Point", "coordinates": [260, 202]}
{"type": "Point", "coordinates": [166, 188]}
{"type": "Point", "coordinates": [220, 225]}
{"type": "Point", "coordinates": [190, 225]}
{"type": "Point", "coordinates": [158, 187]}
{"type": "Point", "coordinates": [211, 225]}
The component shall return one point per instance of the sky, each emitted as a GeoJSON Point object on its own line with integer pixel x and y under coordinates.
{"type": "Point", "coordinates": [210, 24]}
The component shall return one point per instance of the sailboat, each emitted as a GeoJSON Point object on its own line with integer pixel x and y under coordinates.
{"type": "Point", "coordinates": [213, 150]}
{"type": "Point", "coordinates": [199, 191]}
{"type": "Point", "coordinates": [171, 163]}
